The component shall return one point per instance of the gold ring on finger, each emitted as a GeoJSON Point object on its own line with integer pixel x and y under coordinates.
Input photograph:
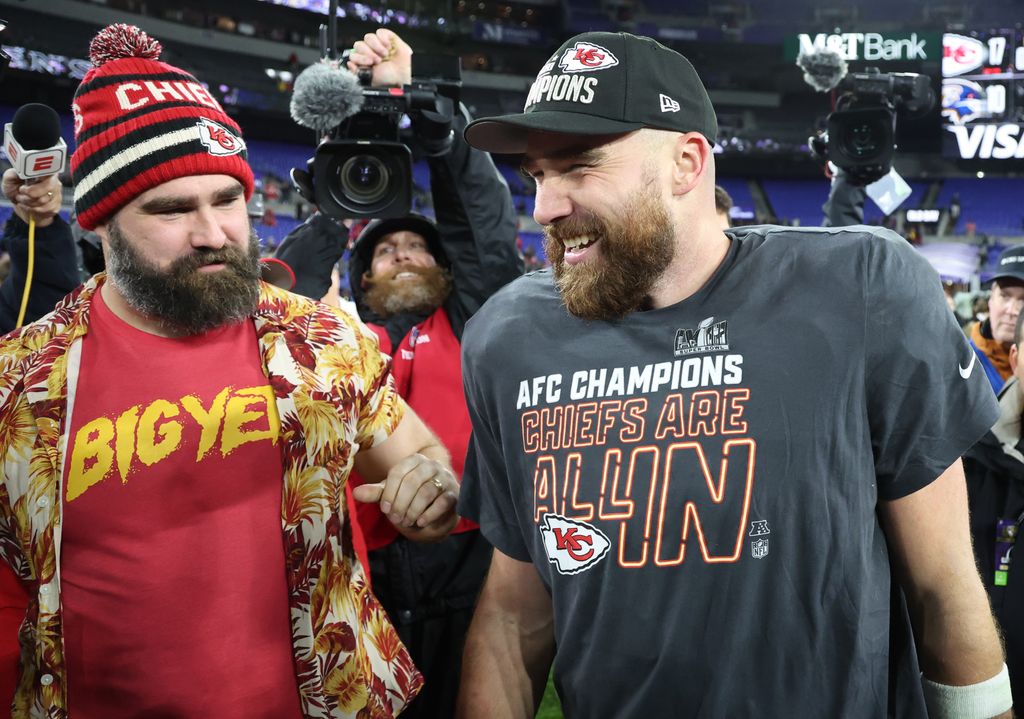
{"type": "Point", "coordinates": [49, 193]}
{"type": "Point", "coordinates": [439, 484]}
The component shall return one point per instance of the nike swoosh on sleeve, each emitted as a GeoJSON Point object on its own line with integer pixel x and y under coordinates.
{"type": "Point", "coordinates": [965, 372]}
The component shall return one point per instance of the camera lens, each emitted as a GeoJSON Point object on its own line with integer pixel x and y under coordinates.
{"type": "Point", "coordinates": [364, 179]}
{"type": "Point", "coordinates": [864, 139]}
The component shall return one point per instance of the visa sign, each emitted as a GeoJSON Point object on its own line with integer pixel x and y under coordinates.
{"type": "Point", "coordinates": [988, 142]}
{"type": "Point", "coordinates": [869, 46]}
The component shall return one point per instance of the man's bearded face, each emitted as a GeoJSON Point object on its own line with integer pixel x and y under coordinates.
{"type": "Point", "coordinates": [635, 246]}
{"type": "Point", "coordinates": [187, 300]}
{"type": "Point", "coordinates": [407, 288]}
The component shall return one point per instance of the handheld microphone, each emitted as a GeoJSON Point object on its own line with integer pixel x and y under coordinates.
{"type": "Point", "coordinates": [33, 142]}
{"type": "Point", "coordinates": [324, 96]}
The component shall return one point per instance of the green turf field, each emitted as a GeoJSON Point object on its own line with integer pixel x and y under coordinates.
{"type": "Point", "coordinates": [549, 706]}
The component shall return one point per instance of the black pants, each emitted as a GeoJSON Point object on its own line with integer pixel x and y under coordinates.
{"type": "Point", "coordinates": [429, 592]}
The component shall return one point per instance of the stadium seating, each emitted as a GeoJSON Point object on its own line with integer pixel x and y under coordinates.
{"type": "Point", "coordinates": [992, 204]}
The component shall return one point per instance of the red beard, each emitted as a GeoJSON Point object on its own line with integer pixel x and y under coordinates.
{"type": "Point", "coordinates": [634, 253]}
{"type": "Point", "coordinates": [386, 296]}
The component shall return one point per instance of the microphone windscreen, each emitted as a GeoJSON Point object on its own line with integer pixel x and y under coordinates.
{"type": "Point", "coordinates": [36, 126]}
{"type": "Point", "coordinates": [324, 96]}
{"type": "Point", "coordinates": [823, 69]}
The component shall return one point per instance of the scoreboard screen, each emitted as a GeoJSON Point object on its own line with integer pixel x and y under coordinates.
{"type": "Point", "coordinates": [983, 95]}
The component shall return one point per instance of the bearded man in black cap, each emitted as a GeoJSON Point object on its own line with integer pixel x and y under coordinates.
{"type": "Point", "coordinates": [416, 283]}
{"type": "Point", "coordinates": [696, 450]}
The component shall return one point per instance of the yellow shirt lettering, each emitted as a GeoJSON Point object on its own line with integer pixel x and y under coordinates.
{"type": "Point", "coordinates": [155, 443]}
{"type": "Point", "coordinates": [209, 421]}
{"type": "Point", "coordinates": [249, 405]}
{"type": "Point", "coordinates": [92, 443]}
{"type": "Point", "coordinates": [126, 424]}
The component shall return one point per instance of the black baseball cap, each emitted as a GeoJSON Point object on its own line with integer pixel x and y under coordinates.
{"type": "Point", "coordinates": [600, 83]}
{"type": "Point", "coordinates": [1011, 264]}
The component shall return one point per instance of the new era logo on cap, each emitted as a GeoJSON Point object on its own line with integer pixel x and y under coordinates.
{"type": "Point", "coordinates": [668, 104]}
{"type": "Point", "coordinates": [586, 57]}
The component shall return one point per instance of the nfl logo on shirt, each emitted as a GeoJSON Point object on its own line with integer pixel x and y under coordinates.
{"type": "Point", "coordinates": [759, 548]}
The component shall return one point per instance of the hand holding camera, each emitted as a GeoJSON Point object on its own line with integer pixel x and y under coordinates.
{"type": "Point", "coordinates": [370, 126]}
{"type": "Point", "coordinates": [386, 55]}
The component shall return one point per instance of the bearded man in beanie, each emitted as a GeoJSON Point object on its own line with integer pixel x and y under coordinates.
{"type": "Point", "coordinates": [177, 437]}
{"type": "Point", "coordinates": [695, 450]}
{"type": "Point", "coordinates": [415, 283]}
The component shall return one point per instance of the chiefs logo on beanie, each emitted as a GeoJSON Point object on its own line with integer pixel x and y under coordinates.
{"type": "Point", "coordinates": [140, 122]}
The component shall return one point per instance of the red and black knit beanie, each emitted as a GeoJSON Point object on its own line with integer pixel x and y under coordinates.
{"type": "Point", "coordinates": [140, 122]}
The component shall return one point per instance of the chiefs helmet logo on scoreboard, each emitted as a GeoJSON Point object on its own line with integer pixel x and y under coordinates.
{"type": "Point", "coordinates": [961, 54]}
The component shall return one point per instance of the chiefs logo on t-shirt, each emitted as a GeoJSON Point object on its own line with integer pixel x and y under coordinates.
{"type": "Point", "coordinates": [572, 546]}
{"type": "Point", "coordinates": [587, 57]}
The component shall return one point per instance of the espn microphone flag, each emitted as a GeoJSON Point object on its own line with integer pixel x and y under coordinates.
{"type": "Point", "coordinates": [33, 143]}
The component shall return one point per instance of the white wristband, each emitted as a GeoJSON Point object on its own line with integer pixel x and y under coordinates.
{"type": "Point", "coordinates": [975, 701]}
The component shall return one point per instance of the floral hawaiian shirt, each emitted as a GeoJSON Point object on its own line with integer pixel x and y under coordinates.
{"type": "Point", "coordinates": [334, 396]}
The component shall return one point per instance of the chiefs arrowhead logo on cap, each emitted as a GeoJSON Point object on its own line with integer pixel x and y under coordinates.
{"type": "Point", "coordinates": [219, 140]}
{"type": "Point", "coordinates": [572, 546]}
{"type": "Point", "coordinates": [586, 57]}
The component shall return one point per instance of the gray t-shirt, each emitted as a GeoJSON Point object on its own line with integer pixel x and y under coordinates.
{"type": "Point", "coordinates": [697, 485]}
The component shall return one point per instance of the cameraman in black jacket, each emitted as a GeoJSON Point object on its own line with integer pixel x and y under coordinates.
{"type": "Point", "coordinates": [416, 282]}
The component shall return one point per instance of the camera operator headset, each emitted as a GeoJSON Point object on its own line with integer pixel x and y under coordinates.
{"type": "Point", "coordinates": [429, 590]}
{"type": "Point", "coordinates": [44, 262]}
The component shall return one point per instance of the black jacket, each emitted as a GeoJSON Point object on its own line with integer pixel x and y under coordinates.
{"type": "Point", "coordinates": [995, 487]}
{"type": "Point", "coordinates": [55, 271]}
{"type": "Point", "coordinates": [476, 223]}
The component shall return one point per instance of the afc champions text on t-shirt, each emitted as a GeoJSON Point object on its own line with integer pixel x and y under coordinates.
{"type": "Point", "coordinates": [173, 584]}
{"type": "Point", "coordinates": [698, 485]}
{"type": "Point", "coordinates": [601, 408]}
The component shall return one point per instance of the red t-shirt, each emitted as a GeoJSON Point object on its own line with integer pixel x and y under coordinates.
{"type": "Point", "coordinates": [173, 585]}
{"type": "Point", "coordinates": [427, 367]}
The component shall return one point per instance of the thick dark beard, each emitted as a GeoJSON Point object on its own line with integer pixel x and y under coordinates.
{"type": "Point", "coordinates": [184, 300]}
{"type": "Point", "coordinates": [636, 249]}
{"type": "Point", "coordinates": [386, 298]}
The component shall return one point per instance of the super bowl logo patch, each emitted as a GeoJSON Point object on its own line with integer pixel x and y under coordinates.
{"type": "Point", "coordinates": [219, 140]}
{"type": "Point", "coordinates": [572, 546]}
{"type": "Point", "coordinates": [708, 336]}
{"type": "Point", "coordinates": [587, 57]}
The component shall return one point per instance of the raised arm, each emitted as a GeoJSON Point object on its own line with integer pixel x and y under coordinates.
{"type": "Point", "coordinates": [510, 644]}
{"type": "Point", "coordinates": [472, 203]}
{"type": "Point", "coordinates": [55, 271]}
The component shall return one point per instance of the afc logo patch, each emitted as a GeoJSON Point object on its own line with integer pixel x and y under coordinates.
{"type": "Point", "coordinates": [759, 547]}
{"type": "Point", "coordinates": [572, 546]}
{"type": "Point", "coordinates": [219, 140]}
